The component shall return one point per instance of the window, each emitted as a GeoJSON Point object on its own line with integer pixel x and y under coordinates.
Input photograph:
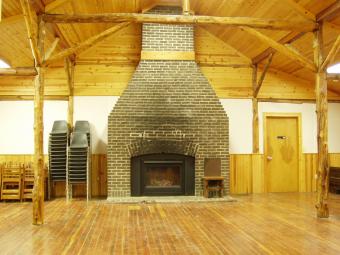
{"type": "Point", "coordinates": [334, 69]}
{"type": "Point", "coordinates": [3, 64]}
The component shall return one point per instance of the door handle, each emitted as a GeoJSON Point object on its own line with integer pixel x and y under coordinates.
{"type": "Point", "coordinates": [269, 158]}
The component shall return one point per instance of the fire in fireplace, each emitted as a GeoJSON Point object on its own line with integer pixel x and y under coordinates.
{"type": "Point", "coordinates": [162, 175]}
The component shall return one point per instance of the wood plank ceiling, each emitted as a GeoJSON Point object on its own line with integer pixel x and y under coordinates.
{"type": "Point", "coordinates": [215, 45]}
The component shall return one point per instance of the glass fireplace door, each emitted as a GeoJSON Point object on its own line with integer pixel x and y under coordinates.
{"type": "Point", "coordinates": [162, 177]}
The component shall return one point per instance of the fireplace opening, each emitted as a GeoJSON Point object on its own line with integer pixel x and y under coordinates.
{"type": "Point", "coordinates": [162, 175]}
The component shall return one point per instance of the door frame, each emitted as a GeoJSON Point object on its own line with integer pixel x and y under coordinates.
{"type": "Point", "coordinates": [268, 115]}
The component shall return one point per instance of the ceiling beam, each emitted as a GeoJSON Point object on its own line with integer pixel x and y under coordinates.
{"type": "Point", "coordinates": [293, 54]}
{"type": "Point", "coordinates": [52, 48]}
{"type": "Point", "coordinates": [19, 71]}
{"type": "Point", "coordinates": [180, 19]}
{"type": "Point", "coordinates": [31, 30]}
{"type": "Point", "coordinates": [300, 9]}
{"type": "Point", "coordinates": [87, 43]}
{"type": "Point", "coordinates": [289, 38]}
{"type": "Point", "coordinates": [329, 13]}
{"type": "Point", "coordinates": [263, 75]}
{"type": "Point", "coordinates": [39, 8]}
{"type": "Point", "coordinates": [332, 53]}
{"type": "Point", "coordinates": [293, 36]}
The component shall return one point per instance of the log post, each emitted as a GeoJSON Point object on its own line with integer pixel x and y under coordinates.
{"type": "Point", "coordinates": [39, 175]}
{"type": "Point", "coordinates": [322, 124]}
{"type": "Point", "coordinates": [186, 7]}
{"type": "Point", "coordinates": [0, 9]}
{"type": "Point", "coordinates": [255, 113]}
{"type": "Point", "coordinates": [69, 69]}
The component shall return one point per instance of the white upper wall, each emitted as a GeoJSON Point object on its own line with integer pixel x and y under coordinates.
{"type": "Point", "coordinates": [333, 127]}
{"type": "Point", "coordinates": [16, 128]}
{"type": "Point", "coordinates": [96, 110]}
{"type": "Point", "coordinates": [240, 115]}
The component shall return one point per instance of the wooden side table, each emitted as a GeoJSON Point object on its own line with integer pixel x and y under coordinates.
{"type": "Point", "coordinates": [213, 183]}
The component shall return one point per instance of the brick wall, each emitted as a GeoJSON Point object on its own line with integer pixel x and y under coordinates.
{"type": "Point", "coordinates": [168, 106]}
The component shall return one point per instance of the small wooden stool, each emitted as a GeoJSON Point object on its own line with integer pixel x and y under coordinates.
{"type": "Point", "coordinates": [213, 183]}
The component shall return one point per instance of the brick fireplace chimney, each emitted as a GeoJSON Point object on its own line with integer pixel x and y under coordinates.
{"type": "Point", "coordinates": [168, 107]}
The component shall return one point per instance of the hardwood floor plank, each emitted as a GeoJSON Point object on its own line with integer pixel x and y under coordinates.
{"type": "Point", "coordinates": [255, 224]}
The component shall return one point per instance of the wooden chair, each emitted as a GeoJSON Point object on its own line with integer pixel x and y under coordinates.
{"type": "Point", "coordinates": [213, 184]}
{"type": "Point", "coordinates": [11, 182]}
{"type": "Point", "coordinates": [27, 182]}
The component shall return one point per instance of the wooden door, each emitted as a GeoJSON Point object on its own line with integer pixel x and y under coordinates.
{"type": "Point", "coordinates": [282, 151]}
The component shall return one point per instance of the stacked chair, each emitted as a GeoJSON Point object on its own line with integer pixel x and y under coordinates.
{"type": "Point", "coordinates": [79, 154]}
{"type": "Point", "coordinates": [58, 143]}
{"type": "Point", "coordinates": [11, 182]}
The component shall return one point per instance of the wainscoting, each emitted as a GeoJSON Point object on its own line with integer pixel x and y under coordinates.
{"type": "Point", "coordinates": [246, 173]}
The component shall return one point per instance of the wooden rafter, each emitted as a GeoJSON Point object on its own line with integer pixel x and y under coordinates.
{"type": "Point", "coordinates": [52, 48]}
{"type": "Point", "coordinates": [263, 75]}
{"type": "Point", "coordinates": [19, 71]}
{"type": "Point", "coordinates": [30, 97]}
{"type": "Point", "coordinates": [180, 19]}
{"type": "Point", "coordinates": [300, 9]}
{"type": "Point", "coordinates": [329, 13]}
{"type": "Point", "coordinates": [87, 43]}
{"type": "Point", "coordinates": [289, 38]}
{"type": "Point", "coordinates": [325, 16]}
{"type": "Point", "coordinates": [31, 30]}
{"type": "Point", "coordinates": [39, 8]}
{"type": "Point", "coordinates": [332, 53]}
{"type": "Point", "coordinates": [282, 48]}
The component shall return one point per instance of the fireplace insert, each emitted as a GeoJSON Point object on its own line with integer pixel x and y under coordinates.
{"type": "Point", "coordinates": [162, 175]}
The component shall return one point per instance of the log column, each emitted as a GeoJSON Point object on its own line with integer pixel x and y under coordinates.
{"type": "Point", "coordinates": [322, 124]}
{"type": "Point", "coordinates": [186, 7]}
{"type": "Point", "coordinates": [69, 69]}
{"type": "Point", "coordinates": [39, 175]}
{"type": "Point", "coordinates": [255, 113]}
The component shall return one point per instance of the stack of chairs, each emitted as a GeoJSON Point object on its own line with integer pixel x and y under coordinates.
{"type": "Point", "coordinates": [27, 182]}
{"type": "Point", "coordinates": [11, 181]}
{"type": "Point", "coordinates": [83, 126]}
{"type": "Point", "coordinates": [58, 143]}
{"type": "Point", "coordinates": [79, 158]}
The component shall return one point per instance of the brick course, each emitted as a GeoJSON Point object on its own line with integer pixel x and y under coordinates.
{"type": "Point", "coordinates": [168, 106]}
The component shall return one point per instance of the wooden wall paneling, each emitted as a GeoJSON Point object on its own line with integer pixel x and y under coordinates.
{"type": "Point", "coordinates": [307, 181]}
{"type": "Point", "coordinates": [257, 173]}
{"type": "Point", "coordinates": [241, 174]}
{"type": "Point", "coordinates": [334, 159]}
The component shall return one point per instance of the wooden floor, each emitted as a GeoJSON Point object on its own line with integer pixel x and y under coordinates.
{"type": "Point", "coordinates": [258, 224]}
